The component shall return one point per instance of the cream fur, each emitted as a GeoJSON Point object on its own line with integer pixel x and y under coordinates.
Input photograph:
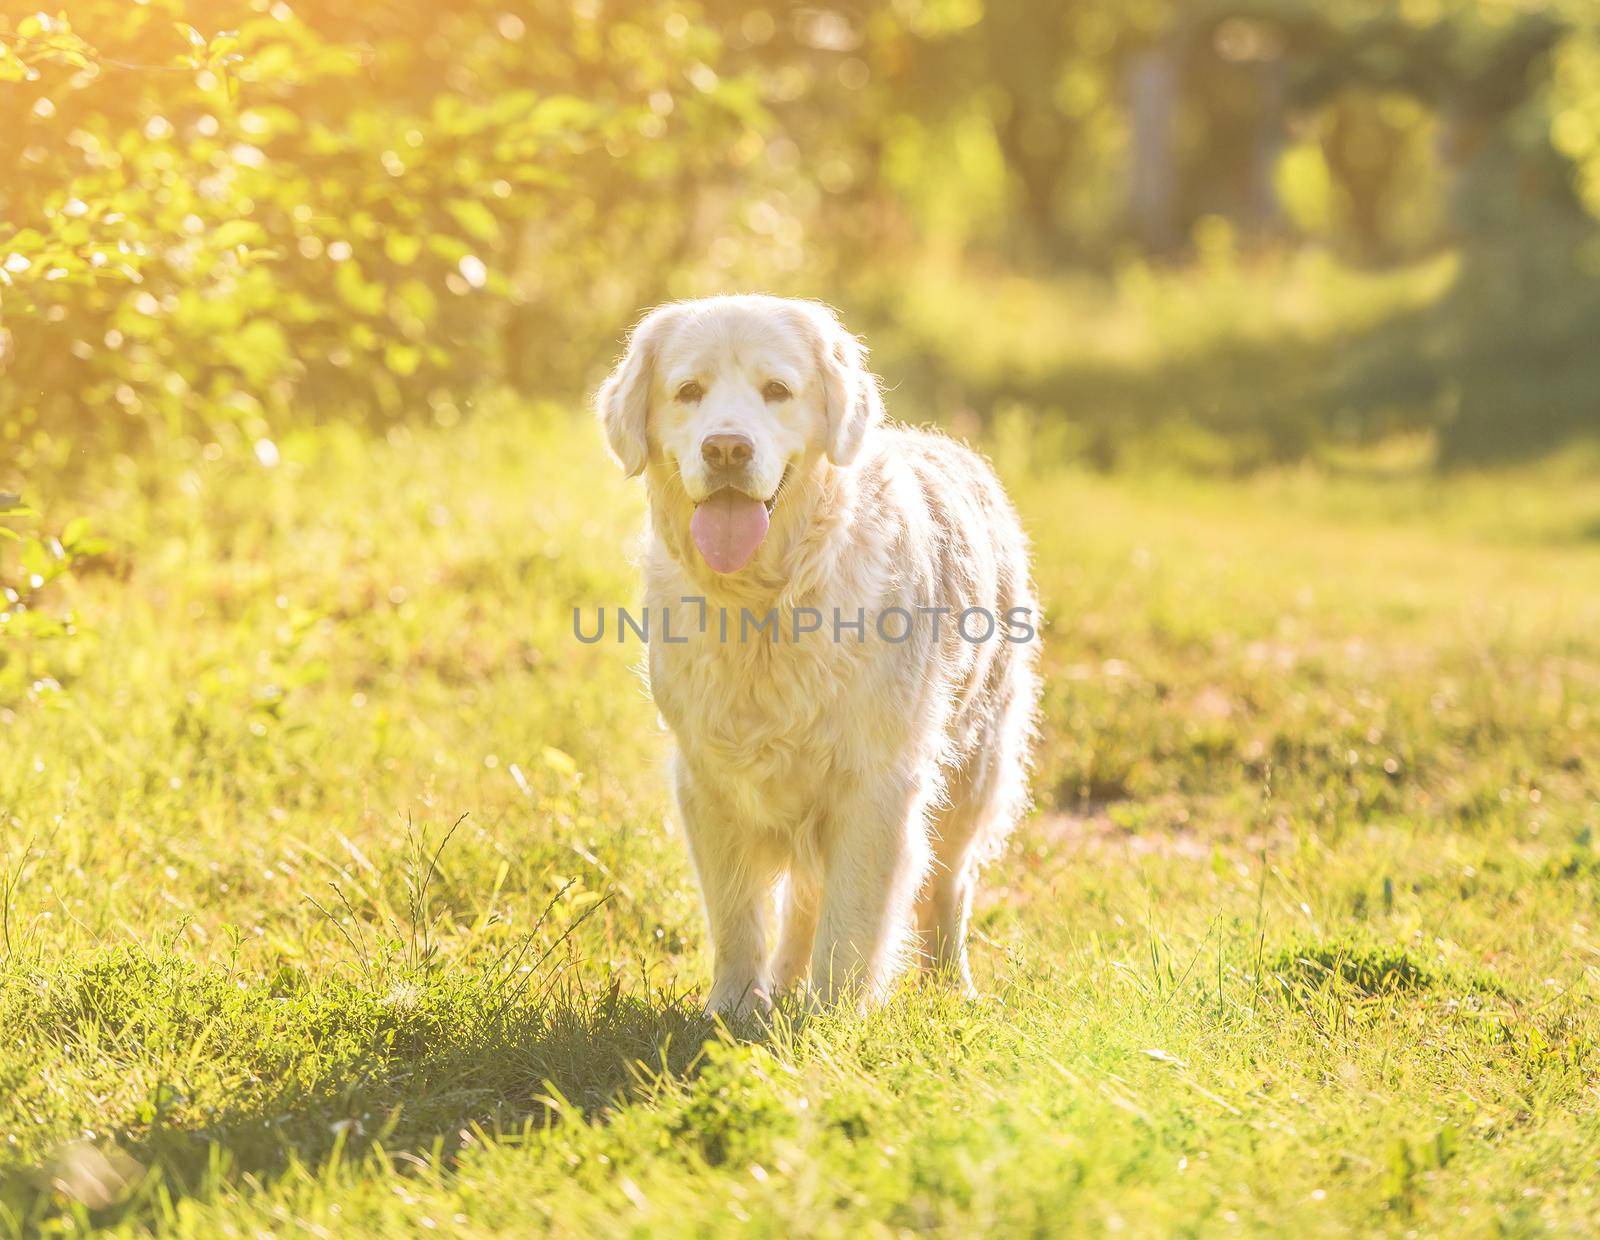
{"type": "Point", "coordinates": [859, 785]}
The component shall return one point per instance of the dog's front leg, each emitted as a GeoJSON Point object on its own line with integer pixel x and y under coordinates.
{"type": "Point", "coordinates": [736, 877]}
{"type": "Point", "coordinates": [877, 856]}
{"type": "Point", "coordinates": [737, 899]}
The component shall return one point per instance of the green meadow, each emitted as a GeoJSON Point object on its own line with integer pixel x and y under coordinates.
{"type": "Point", "coordinates": [341, 893]}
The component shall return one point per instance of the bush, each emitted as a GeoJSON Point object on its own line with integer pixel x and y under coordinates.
{"type": "Point", "coordinates": [28, 616]}
{"type": "Point", "coordinates": [321, 207]}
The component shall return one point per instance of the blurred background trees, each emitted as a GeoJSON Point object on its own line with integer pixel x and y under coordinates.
{"type": "Point", "coordinates": [1224, 231]}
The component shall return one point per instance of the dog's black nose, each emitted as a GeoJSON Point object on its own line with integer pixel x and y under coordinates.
{"type": "Point", "coordinates": [723, 451]}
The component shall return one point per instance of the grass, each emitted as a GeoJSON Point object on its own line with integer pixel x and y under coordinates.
{"type": "Point", "coordinates": [1242, 361]}
{"type": "Point", "coordinates": [341, 896]}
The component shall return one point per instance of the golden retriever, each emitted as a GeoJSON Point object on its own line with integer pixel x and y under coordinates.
{"type": "Point", "coordinates": [844, 651]}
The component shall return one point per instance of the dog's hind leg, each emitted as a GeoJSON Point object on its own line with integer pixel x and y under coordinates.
{"type": "Point", "coordinates": [945, 903]}
{"type": "Point", "coordinates": [984, 797]}
{"type": "Point", "coordinates": [797, 920]}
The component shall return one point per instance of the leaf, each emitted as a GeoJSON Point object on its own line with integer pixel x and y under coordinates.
{"type": "Point", "coordinates": [403, 359]}
{"type": "Point", "coordinates": [559, 760]}
{"type": "Point", "coordinates": [402, 249]}
{"type": "Point", "coordinates": [475, 218]}
{"type": "Point", "coordinates": [452, 249]}
{"type": "Point", "coordinates": [80, 541]}
{"type": "Point", "coordinates": [561, 111]}
{"type": "Point", "coordinates": [36, 624]}
{"type": "Point", "coordinates": [232, 233]}
{"type": "Point", "coordinates": [359, 294]}
{"type": "Point", "coordinates": [37, 562]}
{"type": "Point", "coordinates": [419, 299]}
{"type": "Point", "coordinates": [260, 350]}
{"type": "Point", "coordinates": [196, 39]}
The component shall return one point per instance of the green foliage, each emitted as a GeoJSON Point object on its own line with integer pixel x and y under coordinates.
{"type": "Point", "coordinates": [232, 221]}
{"type": "Point", "coordinates": [301, 213]}
{"type": "Point", "coordinates": [30, 565]}
{"type": "Point", "coordinates": [1575, 104]}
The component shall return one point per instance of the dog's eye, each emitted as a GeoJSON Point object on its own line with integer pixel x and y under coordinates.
{"type": "Point", "coordinates": [775, 391]}
{"type": "Point", "coordinates": [691, 392]}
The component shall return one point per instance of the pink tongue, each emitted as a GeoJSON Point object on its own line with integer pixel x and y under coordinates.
{"type": "Point", "coordinates": [728, 527]}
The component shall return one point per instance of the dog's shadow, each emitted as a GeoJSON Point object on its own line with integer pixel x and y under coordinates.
{"type": "Point", "coordinates": [423, 1096]}
{"type": "Point", "coordinates": [521, 1069]}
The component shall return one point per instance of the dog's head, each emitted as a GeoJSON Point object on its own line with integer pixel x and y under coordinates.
{"type": "Point", "coordinates": [735, 395]}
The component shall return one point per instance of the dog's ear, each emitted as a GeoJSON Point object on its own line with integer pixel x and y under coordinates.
{"type": "Point", "coordinates": [623, 401]}
{"type": "Point", "coordinates": [849, 389]}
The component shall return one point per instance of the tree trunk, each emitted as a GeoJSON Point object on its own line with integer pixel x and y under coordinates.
{"type": "Point", "coordinates": [1153, 84]}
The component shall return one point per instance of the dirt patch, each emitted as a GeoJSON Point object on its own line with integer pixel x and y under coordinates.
{"type": "Point", "coordinates": [1161, 827]}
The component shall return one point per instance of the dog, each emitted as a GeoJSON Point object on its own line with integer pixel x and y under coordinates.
{"type": "Point", "coordinates": [850, 774]}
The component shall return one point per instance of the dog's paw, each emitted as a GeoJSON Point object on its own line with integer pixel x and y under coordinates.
{"type": "Point", "coordinates": [735, 1001]}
